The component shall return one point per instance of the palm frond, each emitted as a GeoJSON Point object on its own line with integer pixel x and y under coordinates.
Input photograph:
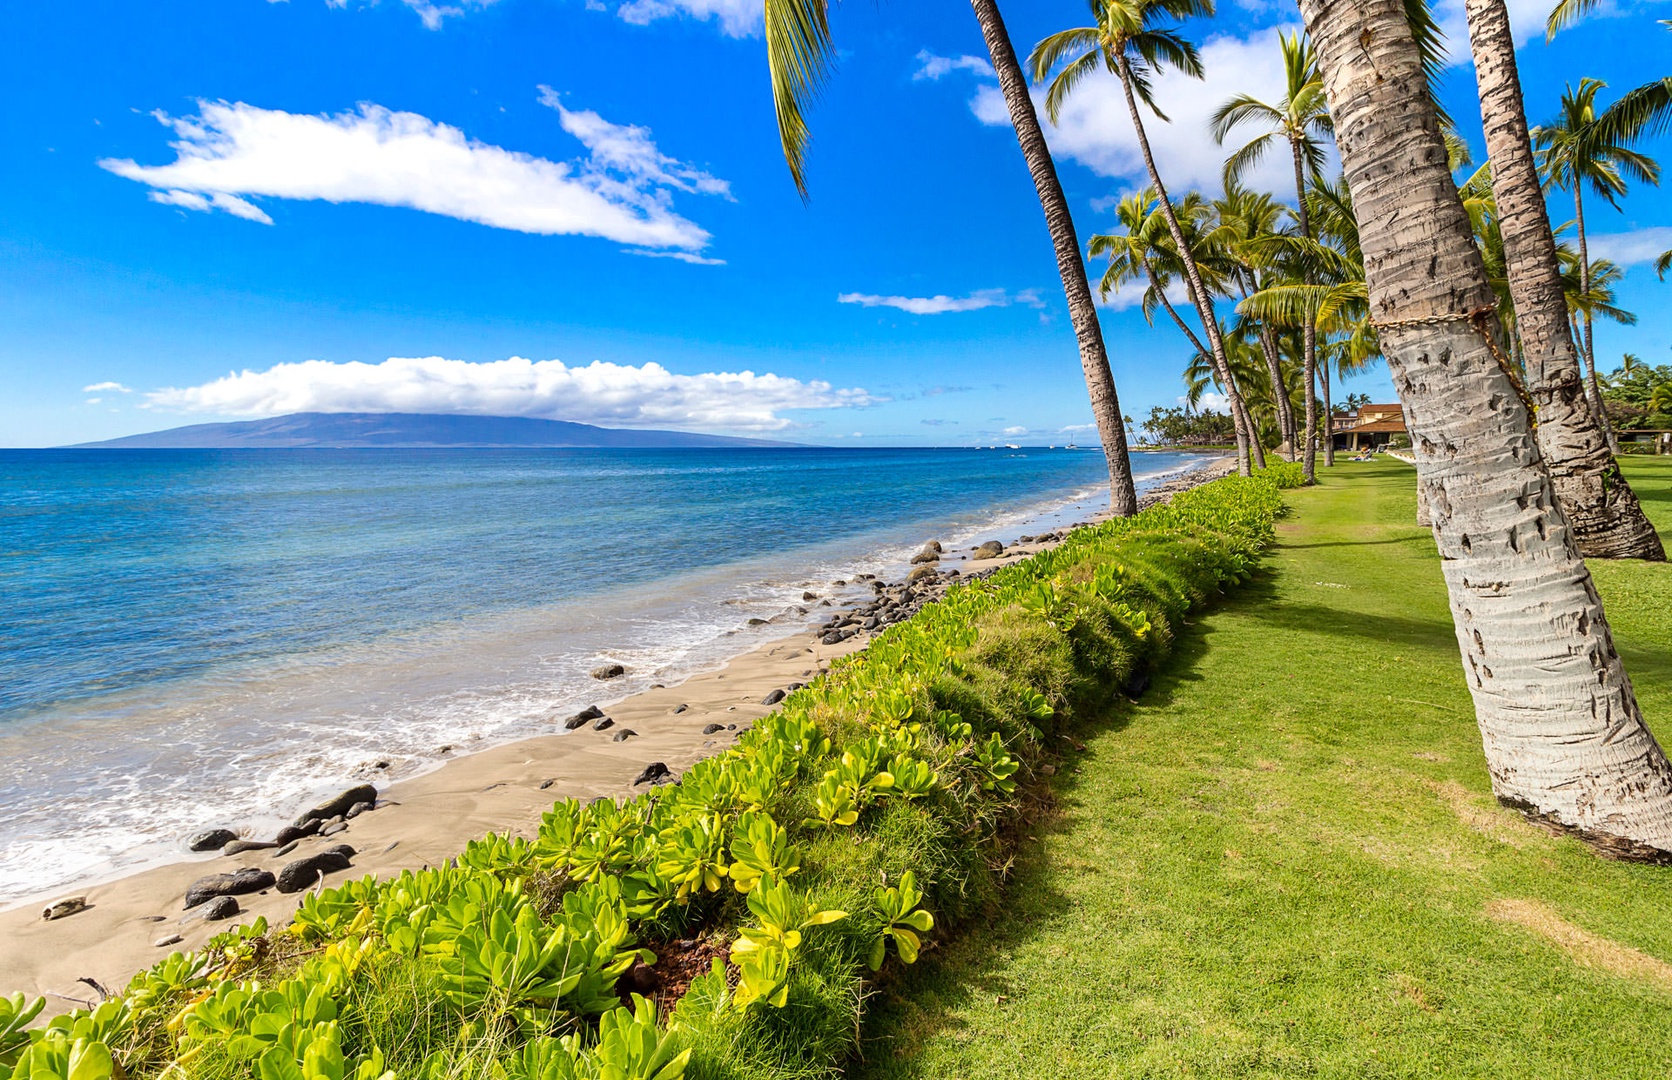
{"type": "Point", "coordinates": [798, 59]}
{"type": "Point", "coordinates": [1566, 13]}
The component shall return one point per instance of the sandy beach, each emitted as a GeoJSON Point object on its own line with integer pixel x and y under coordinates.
{"type": "Point", "coordinates": [429, 818]}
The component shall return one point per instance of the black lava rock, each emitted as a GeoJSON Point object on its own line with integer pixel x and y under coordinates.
{"type": "Point", "coordinates": [624, 734]}
{"type": "Point", "coordinates": [602, 723]}
{"type": "Point", "coordinates": [234, 884]}
{"type": "Point", "coordinates": [653, 772]}
{"type": "Point", "coordinates": [359, 808]}
{"type": "Point", "coordinates": [773, 698]}
{"type": "Point", "coordinates": [238, 847]}
{"type": "Point", "coordinates": [709, 729]}
{"type": "Point", "coordinates": [340, 805]}
{"type": "Point", "coordinates": [303, 873]}
{"type": "Point", "coordinates": [212, 840]}
{"type": "Point", "coordinates": [221, 907]}
{"type": "Point", "coordinates": [608, 671]}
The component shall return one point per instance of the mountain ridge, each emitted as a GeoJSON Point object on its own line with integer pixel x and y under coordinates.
{"type": "Point", "coordinates": [415, 431]}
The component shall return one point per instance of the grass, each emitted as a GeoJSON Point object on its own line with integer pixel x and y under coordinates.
{"type": "Point", "coordinates": [1286, 860]}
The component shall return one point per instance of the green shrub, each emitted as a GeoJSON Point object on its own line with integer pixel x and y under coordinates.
{"type": "Point", "coordinates": [839, 836]}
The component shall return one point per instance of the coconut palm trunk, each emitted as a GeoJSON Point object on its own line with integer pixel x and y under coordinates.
{"type": "Point", "coordinates": [1082, 311]}
{"type": "Point", "coordinates": [1193, 275]}
{"type": "Point", "coordinates": [1280, 392]}
{"type": "Point", "coordinates": [1595, 392]}
{"type": "Point", "coordinates": [1309, 332]}
{"type": "Point", "coordinates": [1606, 517]}
{"type": "Point", "coordinates": [1563, 734]}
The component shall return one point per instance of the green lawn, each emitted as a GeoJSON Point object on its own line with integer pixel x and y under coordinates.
{"type": "Point", "coordinates": [1286, 860]}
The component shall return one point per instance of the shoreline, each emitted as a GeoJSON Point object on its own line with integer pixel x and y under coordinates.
{"type": "Point", "coordinates": [429, 817]}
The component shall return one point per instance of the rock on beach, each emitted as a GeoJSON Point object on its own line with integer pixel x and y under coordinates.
{"type": "Point", "coordinates": [212, 840]}
{"type": "Point", "coordinates": [234, 884]}
{"type": "Point", "coordinates": [303, 873]}
{"type": "Point", "coordinates": [340, 805]}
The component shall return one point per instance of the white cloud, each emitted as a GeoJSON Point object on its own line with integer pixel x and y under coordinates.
{"type": "Point", "coordinates": [1526, 23]}
{"type": "Point", "coordinates": [1130, 295]}
{"type": "Point", "coordinates": [1077, 427]}
{"type": "Point", "coordinates": [432, 14]}
{"type": "Point", "coordinates": [934, 67]}
{"type": "Point", "coordinates": [1015, 429]}
{"type": "Point", "coordinates": [622, 191]}
{"type": "Point", "coordinates": [1095, 127]}
{"type": "Point", "coordinates": [613, 394]}
{"type": "Point", "coordinates": [106, 387]}
{"type": "Point", "coordinates": [738, 18]}
{"type": "Point", "coordinates": [682, 256]}
{"type": "Point", "coordinates": [627, 149]}
{"type": "Point", "coordinates": [1211, 401]}
{"type": "Point", "coordinates": [1632, 248]}
{"type": "Point", "coordinates": [941, 304]}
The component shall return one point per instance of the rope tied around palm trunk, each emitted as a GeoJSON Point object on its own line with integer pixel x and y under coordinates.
{"type": "Point", "coordinates": [1476, 317]}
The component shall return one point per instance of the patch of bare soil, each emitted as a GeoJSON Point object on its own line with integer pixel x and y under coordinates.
{"type": "Point", "coordinates": [1491, 821]}
{"type": "Point", "coordinates": [1586, 949]}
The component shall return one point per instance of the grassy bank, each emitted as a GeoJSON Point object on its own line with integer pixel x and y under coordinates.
{"type": "Point", "coordinates": [752, 899]}
{"type": "Point", "coordinates": [1286, 860]}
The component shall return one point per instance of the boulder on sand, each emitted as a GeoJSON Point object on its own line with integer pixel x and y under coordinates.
{"type": "Point", "coordinates": [992, 549]}
{"type": "Point", "coordinates": [653, 772]}
{"type": "Point", "coordinates": [303, 873]}
{"type": "Point", "coordinates": [925, 557]}
{"type": "Point", "coordinates": [213, 840]}
{"type": "Point", "coordinates": [236, 883]}
{"type": "Point", "coordinates": [221, 907]}
{"type": "Point", "coordinates": [340, 805]}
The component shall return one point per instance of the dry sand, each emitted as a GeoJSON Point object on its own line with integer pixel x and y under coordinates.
{"type": "Point", "coordinates": [428, 819]}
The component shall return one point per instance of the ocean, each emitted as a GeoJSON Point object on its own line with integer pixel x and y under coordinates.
{"type": "Point", "coordinates": [191, 638]}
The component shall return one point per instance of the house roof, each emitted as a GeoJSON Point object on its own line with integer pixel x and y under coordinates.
{"type": "Point", "coordinates": [1396, 427]}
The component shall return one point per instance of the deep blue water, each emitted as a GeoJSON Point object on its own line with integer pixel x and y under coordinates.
{"type": "Point", "coordinates": [196, 635]}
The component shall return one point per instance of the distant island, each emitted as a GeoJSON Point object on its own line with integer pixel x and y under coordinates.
{"type": "Point", "coordinates": [412, 431]}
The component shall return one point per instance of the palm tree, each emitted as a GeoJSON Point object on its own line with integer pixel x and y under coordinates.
{"type": "Point", "coordinates": [1576, 440]}
{"type": "Point", "coordinates": [1563, 734]}
{"type": "Point", "coordinates": [1573, 153]}
{"type": "Point", "coordinates": [1302, 120]}
{"type": "Point", "coordinates": [1145, 250]}
{"type": "Point", "coordinates": [1246, 218]}
{"type": "Point", "coordinates": [798, 53]}
{"type": "Point", "coordinates": [1127, 42]}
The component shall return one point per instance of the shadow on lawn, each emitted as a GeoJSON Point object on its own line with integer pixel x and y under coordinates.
{"type": "Point", "coordinates": [928, 998]}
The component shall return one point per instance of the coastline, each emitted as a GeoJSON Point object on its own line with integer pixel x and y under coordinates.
{"type": "Point", "coordinates": [428, 818]}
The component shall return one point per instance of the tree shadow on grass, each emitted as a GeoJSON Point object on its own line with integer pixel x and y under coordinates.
{"type": "Point", "coordinates": [929, 998]}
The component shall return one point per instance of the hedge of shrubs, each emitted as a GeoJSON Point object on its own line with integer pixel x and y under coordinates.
{"type": "Point", "coordinates": [755, 898]}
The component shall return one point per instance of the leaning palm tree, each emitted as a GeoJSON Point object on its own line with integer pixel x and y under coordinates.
{"type": "Point", "coordinates": [1301, 119]}
{"type": "Point", "coordinates": [1577, 442]}
{"type": "Point", "coordinates": [1127, 41]}
{"type": "Point", "coordinates": [1563, 734]}
{"type": "Point", "coordinates": [1573, 153]}
{"type": "Point", "coordinates": [798, 54]}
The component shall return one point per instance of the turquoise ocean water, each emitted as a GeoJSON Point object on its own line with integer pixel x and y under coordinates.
{"type": "Point", "coordinates": [193, 638]}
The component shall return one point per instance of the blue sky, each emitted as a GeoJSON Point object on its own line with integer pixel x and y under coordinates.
{"type": "Point", "coordinates": [578, 209]}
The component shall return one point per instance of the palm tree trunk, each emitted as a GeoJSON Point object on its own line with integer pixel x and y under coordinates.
{"type": "Point", "coordinates": [1309, 331]}
{"type": "Point", "coordinates": [1563, 734]}
{"type": "Point", "coordinates": [1328, 408]}
{"type": "Point", "coordinates": [1198, 294]}
{"type": "Point", "coordinates": [1274, 372]}
{"type": "Point", "coordinates": [1082, 311]}
{"type": "Point", "coordinates": [1279, 392]}
{"type": "Point", "coordinates": [1309, 376]}
{"type": "Point", "coordinates": [1595, 392]}
{"type": "Point", "coordinates": [1607, 520]}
